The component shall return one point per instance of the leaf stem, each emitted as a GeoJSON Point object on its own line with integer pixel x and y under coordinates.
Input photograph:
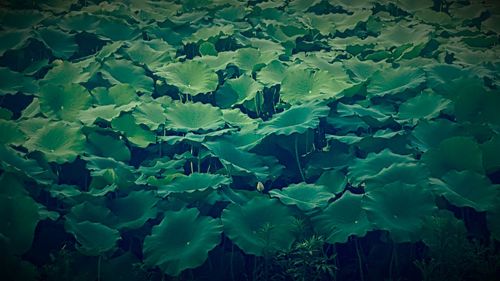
{"type": "Point", "coordinates": [360, 261]}
{"type": "Point", "coordinates": [297, 158]}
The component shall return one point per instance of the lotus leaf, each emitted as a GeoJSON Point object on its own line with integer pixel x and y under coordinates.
{"type": "Point", "coordinates": [191, 117]}
{"type": "Point", "coordinates": [13, 82]}
{"type": "Point", "coordinates": [191, 77]}
{"type": "Point", "coordinates": [260, 227]}
{"type": "Point", "coordinates": [135, 133]}
{"type": "Point", "coordinates": [194, 182]}
{"type": "Point", "coordinates": [491, 154]}
{"type": "Point", "coordinates": [242, 162]}
{"type": "Point", "coordinates": [150, 114]}
{"type": "Point", "coordinates": [239, 90]}
{"type": "Point", "coordinates": [153, 53]}
{"type": "Point", "coordinates": [182, 240]}
{"type": "Point", "coordinates": [87, 211]}
{"type": "Point", "coordinates": [125, 72]}
{"type": "Point", "coordinates": [407, 173]}
{"type": "Point", "coordinates": [133, 210]}
{"type": "Point", "coordinates": [15, 162]}
{"type": "Point", "coordinates": [59, 141]}
{"type": "Point", "coordinates": [468, 189]}
{"type": "Point", "coordinates": [272, 74]}
{"type": "Point", "coordinates": [426, 105]}
{"type": "Point", "coordinates": [301, 85]}
{"type": "Point", "coordinates": [11, 134]}
{"type": "Point", "coordinates": [305, 196]}
{"type": "Point", "coordinates": [250, 59]}
{"type": "Point", "coordinates": [362, 169]}
{"type": "Point", "coordinates": [297, 119]}
{"type": "Point", "coordinates": [93, 239]}
{"type": "Point", "coordinates": [19, 216]}
{"type": "Point", "coordinates": [342, 218]}
{"type": "Point", "coordinates": [455, 153]}
{"type": "Point", "coordinates": [65, 72]}
{"type": "Point", "coordinates": [62, 44]}
{"type": "Point", "coordinates": [12, 39]}
{"type": "Point", "coordinates": [117, 95]}
{"type": "Point", "coordinates": [108, 146]}
{"type": "Point", "coordinates": [63, 102]}
{"type": "Point", "coordinates": [391, 81]}
{"type": "Point", "coordinates": [399, 208]}
{"type": "Point", "coordinates": [430, 134]}
{"type": "Point", "coordinates": [105, 112]}
{"type": "Point", "coordinates": [334, 180]}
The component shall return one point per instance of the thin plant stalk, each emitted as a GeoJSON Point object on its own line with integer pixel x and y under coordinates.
{"type": "Point", "coordinates": [297, 158]}
{"type": "Point", "coordinates": [360, 261]}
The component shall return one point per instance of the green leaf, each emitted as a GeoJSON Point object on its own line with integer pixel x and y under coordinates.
{"type": "Point", "coordinates": [194, 182]}
{"type": "Point", "coordinates": [94, 239]}
{"type": "Point", "coordinates": [63, 102]}
{"type": "Point", "coordinates": [12, 40]}
{"type": "Point", "coordinates": [60, 142]}
{"type": "Point", "coordinates": [239, 90]}
{"type": "Point", "coordinates": [192, 117]}
{"type": "Point", "coordinates": [181, 241]}
{"type": "Point", "coordinates": [13, 82]}
{"type": "Point", "coordinates": [334, 181]}
{"type": "Point", "coordinates": [191, 77]}
{"type": "Point", "coordinates": [468, 189]}
{"type": "Point", "coordinates": [391, 81]}
{"type": "Point", "coordinates": [400, 209]}
{"type": "Point", "coordinates": [426, 105]}
{"type": "Point", "coordinates": [150, 114]}
{"type": "Point", "coordinates": [260, 227]}
{"type": "Point", "coordinates": [455, 153]}
{"type": "Point", "coordinates": [120, 71]}
{"type": "Point", "coordinates": [11, 133]}
{"type": "Point", "coordinates": [342, 218]}
{"type": "Point", "coordinates": [136, 134]}
{"type": "Point", "coordinates": [65, 72]}
{"type": "Point", "coordinates": [133, 210]}
{"type": "Point", "coordinates": [305, 196]}
{"type": "Point", "coordinates": [118, 95]}
{"type": "Point", "coordinates": [61, 44]}
{"type": "Point", "coordinates": [297, 119]}
{"type": "Point", "coordinates": [108, 146]}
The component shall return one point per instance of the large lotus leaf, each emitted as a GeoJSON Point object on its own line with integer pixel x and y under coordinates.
{"type": "Point", "coordinates": [61, 44]}
{"type": "Point", "coordinates": [272, 74]}
{"type": "Point", "coordinates": [372, 115]}
{"type": "Point", "coordinates": [428, 134]}
{"type": "Point", "coordinates": [105, 112]}
{"type": "Point", "coordinates": [241, 89]}
{"type": "Point", "coordinates": [59, 141]}
{"type": "Point", "coordinates": [12, 40]}
{"type": "Point", "coordinates": [301, 84]}
{"type": "Point", "coordinates": [111, 171]}
{"type": "Point", "coordinates": [15, 162]}
{"type": "Point", "coordinates": [362, 169]}
{"type": "Point", "coordinates": [209, 32]}
{"type": "Point", "coordinates": [136, 134]}
{"type": "Point", "coordinates": [190, 117]}
{"type": "Point", "coordinates": [108, 146]}
{"type": "Point", "coordinates": [116, 29]}
{"type": "Point", "coordinates": [133, 210]}
{"type": "Point", "coordinates": [296, 119]}
{"type": "Point", "coordinates": [63, 102]}
{"type": "Point", "coordinates": [65, 72]}
{"type": "Point", "coordinates": [125, 72]}
{"type": "Point", "coordinates": [492, 24]}
{"type": "Point", "coordinates": [11, 134]}
{"type": "Point", "coordinates": [334, 180]}
{"type": "Point", "coordinates": [426, 105]}
{"type": "Point", "coordinates": [401, 35]}
{"type": "Point", "coordinates": [305, 196]}
{"type": "Point", "coordinates": [491, 154]}
{"type": "Point", "coordinates": [191, 77]}
{"type": "Point", "coordinates": [392, 81]}
{"type": "Point", "coordinates": [234, 117]}
{"type": "Point", "coordinates": [241, 162]}
{"type": "Point", "coordinates": [194, 182]}
{"type": "Point", "coordinates": [150, 114]}
{"type": "Point", "coordinates": [87, 211]}
{"type": "Point", "coordinates": [182, 240]}
{"type": "Point", "coordinates": [260, 227]}
{"type": "Point", "coordinates": [118, 95]}
{"type": "Point", "coordinates": [153, 53]}
{"type": "Point", "coordinates": [13, 82]}
{"type": "Point", "coordinates": [455, 153]}
{"type": "Point", "coordinates": [250, 59]}
{"type": "Point", "coordinates": [93, 238]}
{"type": "Point", "coordinates": [405, 172]}
{"type": "Point", "coordinates": [18, 215]}
{"type": "Point", "coordinates": [20, 18]}
{"type": "Point", "coordinates": [468, 189]}
{"type": "Point", "coordinates": [342, 218]}
{"type": "Point", "coordinates": [400, 209]}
